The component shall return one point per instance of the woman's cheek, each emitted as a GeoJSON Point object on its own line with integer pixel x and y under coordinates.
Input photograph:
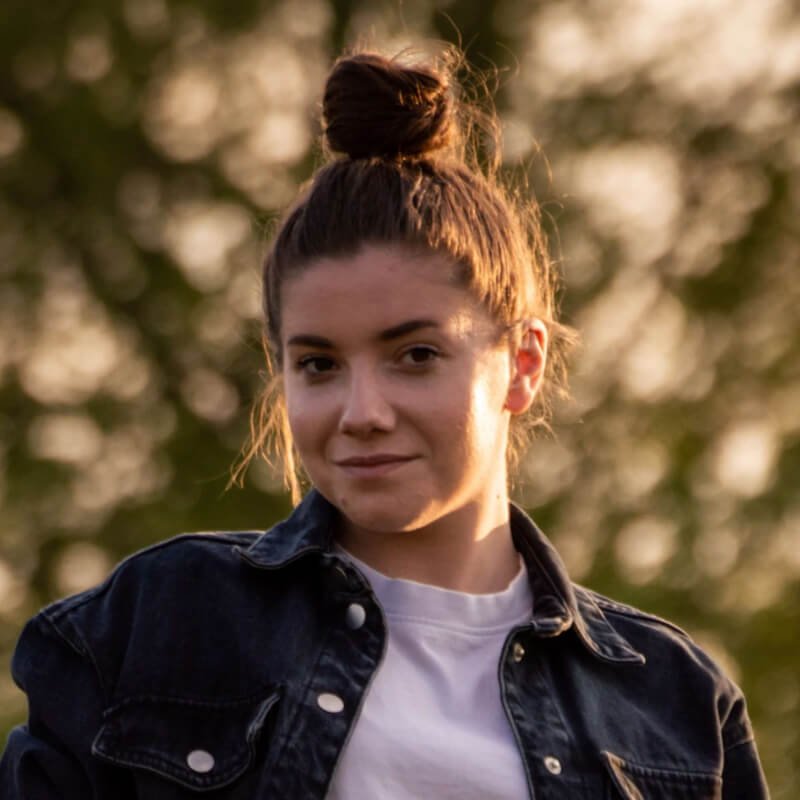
{"type": "Point", "coordinates": [301, 423]}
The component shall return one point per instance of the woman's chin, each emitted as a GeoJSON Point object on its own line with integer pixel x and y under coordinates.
{"type": "Point", "coordinates": [383, 515]}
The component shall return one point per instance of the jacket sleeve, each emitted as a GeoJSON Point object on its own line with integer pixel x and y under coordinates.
{"type": "Point", "coordinates": [742, 775]}
{"type": "Point", "coordinates": [49, 758]}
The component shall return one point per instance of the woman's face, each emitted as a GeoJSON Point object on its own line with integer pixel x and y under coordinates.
{"type": "Point", "coordinates": [396, 388]}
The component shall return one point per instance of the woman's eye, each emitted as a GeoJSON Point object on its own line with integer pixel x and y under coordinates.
{"type": "Point", "coordinates": [420, 355]}
{"type": "Point", "coordinates": [315, 365]}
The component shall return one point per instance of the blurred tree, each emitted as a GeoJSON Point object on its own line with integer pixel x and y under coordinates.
{"type": "Point", "coordinates": [145, 147]}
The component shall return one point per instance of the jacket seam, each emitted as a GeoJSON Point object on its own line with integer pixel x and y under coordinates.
{"type": "Point", "coordinates": [155, 761]}
{"type": "Point", "coordinates": [748, 740]}
{"type": "Point", "coordinates": [64, 607]}
{"type": "Point", "coordinates": [87, 655]}
{"type": "Point", "coordinates": [193, 702]}
{"type": "Point", "coordinates": [287, 737]}
{"type": "Point", "coordinates": [635, 614]}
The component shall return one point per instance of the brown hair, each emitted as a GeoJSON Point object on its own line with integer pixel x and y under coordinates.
{"type": "Point", "coordinates": [404, 167]}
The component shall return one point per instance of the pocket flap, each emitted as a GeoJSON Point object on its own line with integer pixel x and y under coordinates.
{"type": "Point", "coordinates": [638, 782]}
{"type": "Point", "coordinates": [199, 744]}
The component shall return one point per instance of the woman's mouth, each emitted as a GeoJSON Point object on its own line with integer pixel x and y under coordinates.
{"type": "Point", "coordinates": [373, 466]}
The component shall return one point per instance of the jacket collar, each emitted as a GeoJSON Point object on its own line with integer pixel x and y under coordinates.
{"type": "Point", "coordinates": [308, 529]}
{"type": "Point", "coordinates": [557, 604]}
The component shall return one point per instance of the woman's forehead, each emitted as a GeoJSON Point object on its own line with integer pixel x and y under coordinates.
{"type": "Point", "coordinates": [379, 264]}
{"type": "Point", "coordinates": [379, 288]}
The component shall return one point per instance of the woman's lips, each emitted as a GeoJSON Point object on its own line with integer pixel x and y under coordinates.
{"type": "Point", "coordinates": [374, 466]}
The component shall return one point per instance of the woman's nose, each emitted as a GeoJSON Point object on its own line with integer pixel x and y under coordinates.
{"type": "Point", "coordinates": [366, 409]}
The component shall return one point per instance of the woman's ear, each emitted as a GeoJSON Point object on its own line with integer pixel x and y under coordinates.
{"type": "Point", "coordinates": [528, 360]}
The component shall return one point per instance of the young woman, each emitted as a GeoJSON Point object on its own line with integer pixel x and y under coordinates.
{"type": "Point", "coordinates": [406, 632]}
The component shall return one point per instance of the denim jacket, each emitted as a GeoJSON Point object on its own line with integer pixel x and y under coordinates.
{"type": "Point", "coordinates": [234, 665]}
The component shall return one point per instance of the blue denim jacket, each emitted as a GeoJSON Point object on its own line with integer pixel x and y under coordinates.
{"type": "Point", "coordinates": [197, 669]}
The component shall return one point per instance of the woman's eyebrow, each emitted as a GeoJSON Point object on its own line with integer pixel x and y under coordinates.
{"type": "Point", "coordinates": [404, 328]}
{"type": "Point", "coordinates": [395, 332]}
{"type": "Point", "coordinates": [310, 340]}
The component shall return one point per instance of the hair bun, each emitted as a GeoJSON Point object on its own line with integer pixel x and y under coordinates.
{"type": "Point", "coordinates": [374, 106]}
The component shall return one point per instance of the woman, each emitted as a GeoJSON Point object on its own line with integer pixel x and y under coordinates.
{"type": "Point", "coordinates": [406, 632]}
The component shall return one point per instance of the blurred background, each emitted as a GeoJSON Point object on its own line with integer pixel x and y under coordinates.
{"type": "Point", "coordinates": [146, 147]}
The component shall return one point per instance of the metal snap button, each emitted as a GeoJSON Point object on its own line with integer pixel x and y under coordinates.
{"type": "Point", "coordinates": [553, 765]}
{"type": "Point", "coordinates": [200, 761]}
{"type": "Point", "coordinates": [355, 616]}
{"type": "Point", "coordinates": [331, 703]}
{"type": "Point", "coordinates": [517, 652]}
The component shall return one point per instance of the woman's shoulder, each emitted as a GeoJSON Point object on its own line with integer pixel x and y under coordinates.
{"type": "Point", "coordinates": [188, 574]}
{"type": "Point", "coordinates": [674, 664]}
{"type": "Point", "coordinates": [664, 646]}
{"type": "Point", "coordinates": [162, 563]}
{"type": "Point", "coordinates": [649, 634]}
{"type": "Point", "coordinates": [636, 617]}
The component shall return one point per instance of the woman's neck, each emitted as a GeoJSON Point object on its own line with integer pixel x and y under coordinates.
{"type": "Point", "coordinates": [467, 550]}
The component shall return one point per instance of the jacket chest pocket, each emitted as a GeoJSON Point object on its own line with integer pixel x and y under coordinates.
{"type": "Point", "coordinates": [628, 781]}
{"type": "Point", "coordinates": [176, 747]}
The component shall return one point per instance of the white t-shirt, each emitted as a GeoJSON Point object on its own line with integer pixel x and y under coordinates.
{"type": "Point", "coordinates": [432, 724]}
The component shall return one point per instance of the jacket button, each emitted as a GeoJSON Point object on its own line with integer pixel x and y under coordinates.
{"type": "Point", "coordinates": [517, 652]}
{"type": "Point", "coordinates": [553, 765]}
{"type": "Point", "coordinates": [355, 616]}
{"type": "Point", "coordinates": [200, 761]}
{"type": "Point", "coordinates": [331, 703]}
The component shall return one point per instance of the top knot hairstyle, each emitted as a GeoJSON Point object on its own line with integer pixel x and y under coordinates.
{"type": "Point", "coordinates": [405, 168]}
{"type": "Point", "coordinates": [373, 106]}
